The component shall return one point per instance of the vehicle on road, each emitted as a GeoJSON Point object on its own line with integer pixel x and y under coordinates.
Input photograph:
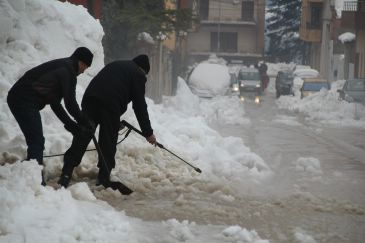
{"type": "Point", "coordinates": [353, 91]}
{"type": "Point", "coordinates": [234, 83]}
{"type": "Point", "coordinates": [249, 80]}
{"type": "Point", "coordinates": [284, 83]}
{"type": "Point", "coordinates": [313, 85]}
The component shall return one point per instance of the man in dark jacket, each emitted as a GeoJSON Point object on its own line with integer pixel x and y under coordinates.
{"type": "Point", "coordinates": [105, 100]}
{"type": "Point", "coordinates": [45, 84]}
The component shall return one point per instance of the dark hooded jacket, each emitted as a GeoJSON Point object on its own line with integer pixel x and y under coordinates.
{"type": "Point", "coordinates": [49, 83]}
{"type": "Point", "coordinates": [117, 84]}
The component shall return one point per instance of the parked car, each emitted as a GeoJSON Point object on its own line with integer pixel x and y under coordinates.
{"type": "Point", "coordinates": [284, 83]}
{"type": "Point", "coordinates": [234, 83]}
{"type": "Point", "coordinates": [353, 91]}
{"type": "Point", "coordinates": [305, 73]}
{"type": "Point", "coordinates": [313, 85]}
{"type": "Point", "coordinates": [249, 80]}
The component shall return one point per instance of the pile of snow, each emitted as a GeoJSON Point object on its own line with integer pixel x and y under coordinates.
{"type": "Point", "coordinates": [33, 213]}
{"type": "Point", "coordinates": [210, 77]}
{"type": "Point", "coordinates": [309, 165]}
{"type": "Point", "coordinates": [32, 32]}
{"type": "Point", "coordinates": [325, 107]}
{"type": "Point", "coordinates": [306, 73]}
{"type": "Point", "coordinates": [274, 68]}
{"type": "Point", "coordinates": [347, 37]}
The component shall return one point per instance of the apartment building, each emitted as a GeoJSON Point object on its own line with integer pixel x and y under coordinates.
{"type": "Point", "coordinates": [231, 29]}
{"type": "Point", "coordinates": [353, 16]}
{"type": "Point", "coordinates": [321, 25]}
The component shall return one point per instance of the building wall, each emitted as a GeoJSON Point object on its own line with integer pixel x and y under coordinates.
{"type": "Point", "coordinates": [360, 53]}
{"type": "Point", "coordinates": [225, 16]}
{"type": "Point", "coordinates": [315, 55]}
{"type": "Point", "coordinates": [224, 10]}
{"type": "Point", "coordinates": [246, 43]}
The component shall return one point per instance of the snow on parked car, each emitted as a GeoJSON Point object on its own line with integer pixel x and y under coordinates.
{"type": "Point", "coordinates": [209, 79]}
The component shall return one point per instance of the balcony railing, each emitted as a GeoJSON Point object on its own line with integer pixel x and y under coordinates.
{"type": "Point", "coordinates": [350, 6]}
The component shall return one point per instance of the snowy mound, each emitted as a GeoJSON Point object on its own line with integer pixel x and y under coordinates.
{"type": "Point", "coordinates": [211, 77]}
{"type": "Point", "coordinates": [34, 213]}
{"type": "Point", "coordinates": [306, 73]}
{"type": "Point", "coordinates": [32, 32]}
{"type": "Point", "coordinates": [326, 107]}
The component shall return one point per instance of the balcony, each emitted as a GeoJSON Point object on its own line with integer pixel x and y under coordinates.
{"type": "Point", "coordinates": [227, 21]}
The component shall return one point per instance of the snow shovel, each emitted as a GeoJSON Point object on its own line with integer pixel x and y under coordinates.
{"type": "Point", "coordinates": [124, 123]}
{"type": "Point", "coordinates": [115, 185]}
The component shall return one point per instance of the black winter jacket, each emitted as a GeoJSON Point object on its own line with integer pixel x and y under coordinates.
{"type": "Point", "coordinates": [48, 83]}
{"type": "Point", "coordinates": [117, 84]}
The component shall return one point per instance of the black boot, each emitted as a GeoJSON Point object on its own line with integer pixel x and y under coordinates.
{"type": "Point", "coordinates": [65, 176]}
{"type": "Point", "coordinates": [116, 185]}
{"type": "Point", "coordinates": [64, 180]}
{"type": "Point", "coordinates": [43, 183]}
{"type": "Point", "coordinates": [103, 179]}
{"type": "Point", "coordinates": [40, 162]}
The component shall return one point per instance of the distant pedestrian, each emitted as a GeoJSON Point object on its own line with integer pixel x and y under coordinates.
{"type": "Point", "coordinates": [48, 84]}
{"type": "Point", "coordinates": [263, 74]}
{"type": "Point", "coordinates": [105, 100]}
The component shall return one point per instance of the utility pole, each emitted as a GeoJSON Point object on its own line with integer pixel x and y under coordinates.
{"type": "Point", "coordinates": [219, 29]}
{"type": "Point", "coordinates": [326, 43]}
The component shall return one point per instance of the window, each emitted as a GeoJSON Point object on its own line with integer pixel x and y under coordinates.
{"type": "Point", "coordinates": [315, 15]}
{"type": "Point", "coordinates": [247, 10]}
{"type": "Point", "coordinates": [204, 9]}
{"type": "Point", "coordinates": [228, 42]}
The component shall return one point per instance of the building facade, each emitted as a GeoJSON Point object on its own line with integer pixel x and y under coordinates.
{"type": "Point", "coordinates": [231, 29]}
{"type": "Point", "coordinates": [321, 25]}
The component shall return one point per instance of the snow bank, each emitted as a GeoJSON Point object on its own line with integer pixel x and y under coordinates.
{"type": "Point", "coordinates": [306, 73]}
{"type": "Point", "coordinates": [211, 77]}
{"type": "Point", "coordinates": [32, 32]}
{"type": "Point", "coordinates": [33, 213]}
{"type": "Point", "coordinates": [326, 107]}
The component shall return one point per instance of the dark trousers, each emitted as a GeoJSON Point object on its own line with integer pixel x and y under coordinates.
{"type": "Point", "coordinates": [108, 135]}
{"type": "Point", "coordinates": [29, 119]}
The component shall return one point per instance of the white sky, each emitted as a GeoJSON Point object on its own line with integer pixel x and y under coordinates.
{"type": "Point", "coordinates": [34, 31]}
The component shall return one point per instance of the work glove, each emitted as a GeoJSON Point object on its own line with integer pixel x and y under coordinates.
{"type": "Point", "coordinates": [73, 128]}
{"type": "Point", "coordinates": [151, 139]}
{"type": "Point", "coordinates": [86, 122]}
{"type": "Point", "coordinates": [78, 129]}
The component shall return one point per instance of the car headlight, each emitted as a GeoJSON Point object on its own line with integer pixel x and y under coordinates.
{"type": "Point", "coordinates": [258, 85]}
{"type": "Point", "coordinates": [235, 87]}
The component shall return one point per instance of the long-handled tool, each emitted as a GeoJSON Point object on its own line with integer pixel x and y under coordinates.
{"type": "Point", "coordinates": [114, 185]}
{"type": "Point", "coordinates": [130, 127]}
